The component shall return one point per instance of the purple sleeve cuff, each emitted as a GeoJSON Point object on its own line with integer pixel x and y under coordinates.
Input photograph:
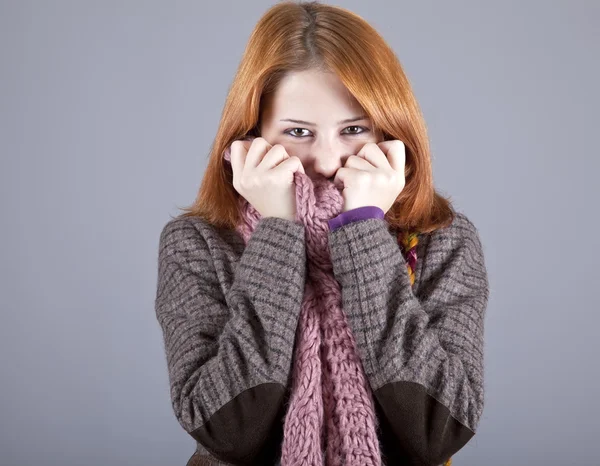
{"type": "Point", "coordinates": [354, 215]}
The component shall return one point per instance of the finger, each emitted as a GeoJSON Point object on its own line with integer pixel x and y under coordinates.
{"type": "Point", "coordinates": [274, 157]}
{"type": "Point", "coordinates": [338, 180]}
{"type": "Point", "coordinates": [395, 152]}
{"type": "Point", "coordinates": [258, 148]}
{"type": "Point", "coordinates": [345, 177]}
{"type": "Point", "coordinates": [237, 156]}
{"type": "Point", "coordinates": [360, 163]}
{"type": "Point", "coordinates": [289, 167]}
{"type": "Point", "coordinates": [373, 154]}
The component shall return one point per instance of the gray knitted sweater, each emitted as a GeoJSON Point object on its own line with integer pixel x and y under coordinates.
{"type": "Point", "coordinates": [228, 313]}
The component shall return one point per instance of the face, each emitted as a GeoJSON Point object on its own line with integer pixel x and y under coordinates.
{"type": "Point", "coordinates": [316, 119]}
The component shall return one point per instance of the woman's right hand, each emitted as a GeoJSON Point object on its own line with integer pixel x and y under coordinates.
{"type": "Point", "coordinates": [264, 175]}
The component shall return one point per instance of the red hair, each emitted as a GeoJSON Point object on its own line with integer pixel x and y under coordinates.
{"type": "Point", "coordinates": [296, 36]}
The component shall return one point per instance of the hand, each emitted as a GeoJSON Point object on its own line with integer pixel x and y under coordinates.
{"type": "Point", "coordinates": [264, 175]}
{"type": "Point", "coordinates": [374, 176]}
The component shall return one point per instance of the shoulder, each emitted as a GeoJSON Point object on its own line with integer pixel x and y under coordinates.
{"type": "Point", "coordinates": [454, 261]}
{"type": "Point", "coordinates": [460, 232]}
{"type": "Point", "coordinates": [457, 246]}
{"type": "Point", "coordinates": [190, 233]}
{"type": "Point", "coordinates": [179, 229]}
{"type": "Point", "coordinates": [181, 234]}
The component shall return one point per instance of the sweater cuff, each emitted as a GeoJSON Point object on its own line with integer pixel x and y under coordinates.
{"type": "Point", "coordinates": [354, 215]}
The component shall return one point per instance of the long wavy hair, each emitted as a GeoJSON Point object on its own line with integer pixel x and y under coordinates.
{"type": "Point", "coordinates": [296, 36]}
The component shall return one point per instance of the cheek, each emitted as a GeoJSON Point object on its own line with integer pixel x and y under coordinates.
{"type": "Point", "coordinates": [356, 146]}
{"type": "Point", "coordinates": [375, 137]}
{"type": "Point", "coordinates": [291, 148]}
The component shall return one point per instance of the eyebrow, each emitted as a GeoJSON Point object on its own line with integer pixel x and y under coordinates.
{"type": "Point", "coordinates": [308, 123]}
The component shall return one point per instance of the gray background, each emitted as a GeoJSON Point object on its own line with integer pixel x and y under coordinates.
{"type": "Point", "coordinates": [108, 110]}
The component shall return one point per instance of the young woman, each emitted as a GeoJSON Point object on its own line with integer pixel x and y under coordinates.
{"type": "Point", "coordinates": [320, 302]}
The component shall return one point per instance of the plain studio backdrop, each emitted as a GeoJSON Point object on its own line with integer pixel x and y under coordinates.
{"type": "Point", "coordinates": [108, 110]}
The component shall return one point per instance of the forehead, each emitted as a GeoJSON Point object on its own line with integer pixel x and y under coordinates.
{"type": "Point", "coordinates": [312, 95]}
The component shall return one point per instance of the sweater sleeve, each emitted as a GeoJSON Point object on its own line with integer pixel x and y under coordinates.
{"type": "Point", "coordinates": [229, 354]}
{"type": "Point", "coordinates": [423, 354]}
{"type": "Point", "coordinates": [355, 215]}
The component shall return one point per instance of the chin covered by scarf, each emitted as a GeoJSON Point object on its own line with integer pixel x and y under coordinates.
{"type": "Point", "coordinates": [331, 416]}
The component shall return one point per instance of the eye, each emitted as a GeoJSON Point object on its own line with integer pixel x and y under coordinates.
{"type": "Point", "coordinates": [364, 130]}
{"type": "Point", "coordinates": [294, 129]}
{"type": "Point", "coordinates": [292, 132]}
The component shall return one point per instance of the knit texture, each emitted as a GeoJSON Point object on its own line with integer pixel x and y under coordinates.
{"type": "Point", "coordinates": [331, 416]}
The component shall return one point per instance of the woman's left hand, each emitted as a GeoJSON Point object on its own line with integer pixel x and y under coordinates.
{"type": "Point", "coordinates": [374, 176]}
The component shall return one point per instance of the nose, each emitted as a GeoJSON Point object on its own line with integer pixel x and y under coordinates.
{"type": "Point", "coordinates": [325, 158]}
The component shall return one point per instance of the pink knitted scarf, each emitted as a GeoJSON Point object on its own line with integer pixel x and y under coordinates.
{"type": "Point", "coordinates": [331, 415]}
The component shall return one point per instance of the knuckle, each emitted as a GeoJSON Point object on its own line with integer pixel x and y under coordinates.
{"type": "Point", "coordinates": [397, 143]}
{"type": "Point", "coordinates": [362, 178]}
